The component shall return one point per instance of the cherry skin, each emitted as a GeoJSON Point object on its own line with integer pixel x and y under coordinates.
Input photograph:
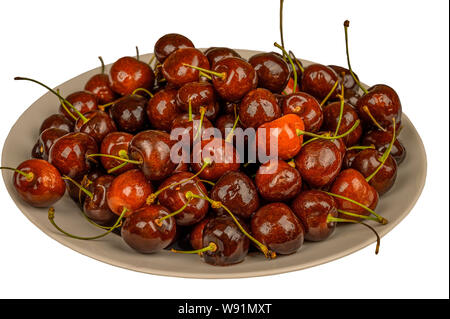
{"type": "Point", "coordinates": [352, 184]}
{"type": "Point", "coordinates": [58, 121]}
{"type": "Point", "coordinates": [129, 113]}
{"type": "Point", "coordinates": [43, 185]}
{"type": "Point", "coordinates": [306, 107]}
{"type": "Point", "coordinates": [177, 73]}
{"type": "Point", "coordinates": [162, 109]}
{"type": "Point", "coordinates": [276, 180]}
{"type": "Point", "coordinates": [346, 79]}
{"type": "Point", "coordinates": [85, 181]}
{"type": "Point", "coordinates": [277, 227]}
{"type": "Point", "coordinates": [381, 141]}
{"type": "Point", "coordinates": [225, 124]}
{"type": "Point", "coordinates": [100, 86]}
{"type": "Point", "coordinates": [272, 71]}
{"type": "Point", "coordinates": [383, 103]}
{"type": "Point", "coordinates": [96, 208]}
{"type": "Point", "coordinates": [69, 154]}
{"type": "Point", "coordinates": [83, 101]}
{"type": "Point", "coordinates": [153, 149]}
{"type": "Point", "coordinates": [199, 93]}
{"type": "Point", "coordinates": [367, 161]}
{"type": "Point", "coordinates": [99, 125]}
{"type": "Point", "coordinates": [259, 106]}
{"type": "Point", "coordinates": [169, 43]}
{"type": "Point", "coordinates": [232, 244]}
{"type": "Point", "coordinates": [113, 144]}
{"type": "Point", "coordinates": [237, 192]}
{"type": "Point", "coordinates": [143, 234]}
{"type": "Point", "coordinates": [349, 157]}
{"type": "Point", "coordinates": [313, 208]}
{"type": "Point", "coordinates": [318, 80]}
{"type": "Point", "coordinates": [196, 234]}
{"type": "Point", "coordinates": [239, 78]}
{"type": "Point", "coordinates": [183, 126]}
{"type": "Point", "coordinates": [128, 74]}
{"type": "Point", "coordinates": [216, 54]}
{"type": "Point", "coordinates": [174, 198]}
{"type": "Point", "coordinates": [331, 114]}
{"type": "Point", "coordinates": [222, 154]}
{"type": "Point", "coordinates": [128, 191]}
{"type": "Point", "coordinates": [319, 162]}
{"type": "Point", "coordinates": [46, 140]}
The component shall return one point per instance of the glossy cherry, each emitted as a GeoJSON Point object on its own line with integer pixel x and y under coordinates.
{"type": "Point", "coordinates": [58, 121]}
{"type": "Point", "coordinates": [128, 74]}
{"type": "Point", "coordinates": [183, 126]}
{"type": "Point", "coordinates": [162, 109]}
{"type": "Point", "coordinates": [381, 141]}
{"type": "Point", "coordinates": [306, 107]}
{"type": "Point", "coordinates": [116, 144]}
{"type": "Point", "coordinates": [129, 113]}
{"type": "Point", "coordinates": [216, 54]}
{"type": "Point", "coordinates": [96, 206]}
{"type": "Point", "coordinates": [198, 93]}
{"type": "Point", "coordinates": [83, 101]}
{"type": "Point", "coordinates": [45, 142]}
{"type": "Point", "coordinates": [196, 234]}
{"type": "Point", "coordinates": [259, 106]}
{"type": "Point", "coordinates": [318, 80]}
{"type": "Point", "coordinates": [272, 71]}
{"type": "Point", "coordinates": [331, 114]}
{"type": "Point", "coordinates": [175, 69]}
{"type": "Point", "coordinates": [75, 192]}
{"type": "Point", "coordinates": [169, 43]}
{"type": "Point", "coordinates": [99, 125]}
{"type": "Point", "coordinates": [100, 86]}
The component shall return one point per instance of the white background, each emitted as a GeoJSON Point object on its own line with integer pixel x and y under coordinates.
{"type": "Point", "coordinates": [400, 43]}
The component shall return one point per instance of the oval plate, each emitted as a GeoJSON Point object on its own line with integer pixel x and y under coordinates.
{"type": "Point", "coordinates": [394, 205]}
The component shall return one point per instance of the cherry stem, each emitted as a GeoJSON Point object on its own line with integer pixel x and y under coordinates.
{"type": "Point", "coordinates": [291, 163]}
{"type": "Point", "coordinates": [385, 156]}
{"type": "Point", "coordinates": [229, 137]}
{"type": "Point", "coordinates": [152, 197]}
{"type": "Point", "coordinates": [358, 215]}
{"type": "Point", "coordinates": [206, 181]}
{"type": "Point", "coordinates": [217, 204]}
{"type": "Point", "coordinates": [201, 73]}
{"type": "Point", "coordinates": [381, 219]}
{"type": "Point", "coordinates": [88, 193]}
{"type": "Point", "coordinates": [158, 221]}
{"type": "Point", "coordinates": [29, 176]}
{"type": "Point", "coordinates": [325, 137]}
{"type": "Point", "coordinates": [51, 217]}
{"type": "Point", "coordinates": [346, 25]}
{"type": "Point", "coordinates": [360, 147]}
{"type": "Point", "coordinates": [123, 154]}
{"type": "Point", "coordinates": [367, 111]}
{"type": "Point", "coordinates": [202, 116]}
{"type": "Point", "coordinates": [329, 93]}
{"type": "Point", "coordinates": [116, 157]}
{"type": "Point", "coordinates": [57, 94]}
{"type": "Point", "coordinates": [142, 89]}
{"type": "Point", "coordinates": [190, 111]}
{"type": "Point", "coordinates": [65, 108]}
{"type": "Point", "coordinates": [103, 64]}
{"type": "Point", "coordinates": [297, 61]}
{"type": "Point", "coordinates": [85, 182]}
{"type": "Point", "coordinates": [211, 247]}
{"type": "Point", "coordinates": [343, 220]}
{"type": "Point", "coordinates": [281, 23]}
{"type": "Point", "coordinates": [341, 111]}
{"type": "Point", "coordinates": [292, 64]}
{"type": "Point", "coordinates": [103, 106]}
{"type": "Point", "coordinates": [220, 75]}
{"type": "Point", "coordinates": [137, 53]}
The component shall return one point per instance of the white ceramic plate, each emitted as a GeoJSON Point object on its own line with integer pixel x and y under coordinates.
{"type": "Point", "coordinates": [394, 205]}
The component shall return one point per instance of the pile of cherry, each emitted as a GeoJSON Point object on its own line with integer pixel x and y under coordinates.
{"type": "Point", "coordinates": [109, 147]}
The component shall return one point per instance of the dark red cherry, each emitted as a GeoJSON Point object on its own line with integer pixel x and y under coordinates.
{"type": "Point", "coordinates": [100, 86]}
{"type": "Point", "coordinates": [169, 43]}
{"type": "Point", "coordinates": [196, 234]}
{"type": "Point", "coordinates": [232, 245]}
{"type": "Point", "coordinates": [259, 106]}
{"type": "Point", "coordinates": [38, 182]}
{"type": "Point", "coordinates": [277, 227]}
{"type": "Point", "coordinates": [276, 180]}
{"type": "Point", "coordinates": [313, 208]}
{"type": "Point", "coordinates": [129, 113]}
{"type": "Point", "coordinates": [367, 161]}
{"type": "Point", "coordinates": [153, 149]}
{"type": "Point", "coordinates": [318, 80]}
{"type": "Point", "coordinates": [381, 141]}
{"type": "Point", "coordinates": [228, 107]}
{"type": "Point", "coordinates": [128, 74]}
{"type": "Point", "coordinates": [306, 107]}
{"type": "Point", "coordinates": [319, 162]}
{"type": "Point", "coordinates": [199, 93]}
{"type": "Point", "coordinates": [46, 140]}
{"type": "Point", "coordinates": [331, 114]}
{"type": "Point", "coordinates": [237, 192]}
{"type": "Point", "coordinates": [143, 234]}
{"type": "Point", "coordinates": [346, 79]}
{"type": "Point", "coordinates": [58, 121]}
{"type": "Point", "coordinates": [349, 157]}
{"type": "Point", "coordinates": [69, 154]}
{"type": "Point", "coordinates": [75, 192]}
{"type": "Point", "coordinates": [177, 73]}
{"type": "Point", "coordinates": [116, 144]}
{"type": "Point", "coordinates": [223, 158]}
{"type": "Point", "coordinates": [83, 101]}
{"type": "Point", "coordinates": [272, 71]}
{"type": "Point", "coordinates": [99, 125]}
{"type": "Point", "coordinates": [182, 127]}
{"type": "Point", "coordinates": [96, 207]}
{"type": "Point", "coordinates": [225, 124]}
{"type": "Point", "coordinates": [162, 109]}
{"type": "Point", "coordinates": [238, 77]}
{"type": "Point", "coordinates": [128, 191]}
{"type": "Point", "coordinates": [174, 198]}
{"type": "Point", "coordinates": [216, 54]}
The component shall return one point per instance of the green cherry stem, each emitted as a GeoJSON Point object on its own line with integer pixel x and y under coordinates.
{"type": "Point", "coordinates": [385, 155]}
{"type": "Point", "coordinates": [325, 137]}
{"type": "Point", "coordinates": [380, 219]}
{"type": "Point", "coordinates": [201, 73]}
{"type": "Point", "coordinates": [51, 217]}
{"type": "Point", "coordinates": [217, 204]}
{"type": "Point", "coordinates": [343, 220]}
{"type": "Point", "coordinates": [211, 247]}
{"type": "Point", "coordinates": [103, 64]}
{"type": "Point", "coordinates": [369, 114]}
{"type": "Point", "coordinates": [297, 61]}
{"type": "Point", "coordinates": [220, 75]}
{"type": "Point", "coordinates": [329, 93]}
{"type": "Point", "coordinates": [358, 215]}
{"type": "Point", "coordinates": [55, 93]}
{"type": "Point", "coordinates": [281, 23]}
{"type": "Point", "coordinates": [346, 26]}
{"type": "Point", "coordinates": [143, 90]}
{"type": "Point", "coordinates": [88, 193]}
{"type": "Point", "coordinates": [292, 64]}
{"type": "Point", "coordinates": [29, 176]}
{"type": "Point", "coordinates": [206, 181]}
{"type": "Point", "coordinates": [159, 221]}
{"type": "Point", "coordinates": [360, 147]}
{"type": "Point", "coordinates": [229, 137]}
{"type": "Point", "coordinates": [341, 111]}
{"type": "Point", "coordinates": [190, 110]}
{"type": "Point", "coordinates": [202, 116]}
{"type": "Point", "coordinates": [115, 157]}
{"type": "Point", "coordinates": [123, 154]}
{"type": "Point", "coordinates": [152, 197]}
{"type": "Point", "coordinates": [65, 107]}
